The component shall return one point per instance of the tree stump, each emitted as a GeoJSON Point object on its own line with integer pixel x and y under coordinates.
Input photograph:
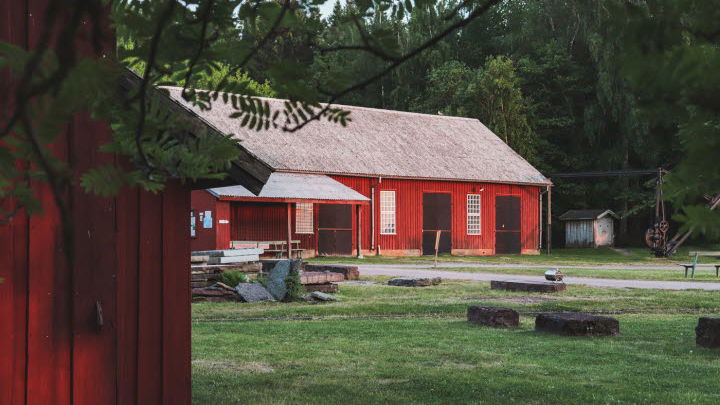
{"type": "Point", "coordinates": [577, 324]}
{"type": "Point", "coordinates": [707, 333]}
{"type": "Point", "coordinates": [496, 317]}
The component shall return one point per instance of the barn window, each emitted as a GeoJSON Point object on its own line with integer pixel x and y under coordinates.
{"type": "Point", "coordinates": [303, 218]}
{"type": "Point", "coordinates": [388, 225]}
{"type": "Point", "coordinates": [473, 214]}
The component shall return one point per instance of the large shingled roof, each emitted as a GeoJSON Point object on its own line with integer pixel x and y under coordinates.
{"type": "Point", "coordinates": [381, 143]}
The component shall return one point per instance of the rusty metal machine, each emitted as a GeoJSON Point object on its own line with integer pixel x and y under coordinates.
{"type": "Point", "coordinates": [657, 235]}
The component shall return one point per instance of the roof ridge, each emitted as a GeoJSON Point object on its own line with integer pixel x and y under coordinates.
{"type": "Point", "coordinates": [355, 107]}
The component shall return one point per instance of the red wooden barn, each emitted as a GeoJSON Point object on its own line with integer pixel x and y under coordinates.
{"type": "Point", "coordinates": [386, 184]}
{"type": "Point", "coordinates": [114, 328]}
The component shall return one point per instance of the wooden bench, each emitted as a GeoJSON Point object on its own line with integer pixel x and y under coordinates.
{"type": "Point", "coordinates": [692, 266]}
{"type": "Point", "coordinates": [278, 247]}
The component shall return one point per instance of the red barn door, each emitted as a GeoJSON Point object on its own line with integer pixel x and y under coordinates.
{"type": "Point", "coordinates": [436, 217]}
{"type": "Point", "coordinates": [335, 229]}
{"type": "Point", "coordinates": [507, 224]}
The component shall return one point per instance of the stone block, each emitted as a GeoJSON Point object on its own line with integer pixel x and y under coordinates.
{"type": "Point", "coordinates": [277, 276]}
{"type": "Point", "coordinates": [349, 272]}
{"type": "Point", "coordinates": [707, 333]}
{"type": "Point", "coordinates": [577, 324]}
{"type": "Point", "coordinates": [320, 296]}
{"type": "Point", "coordinates": [414, 282]}
{"type": "Point", "coordinates": [326, 288]}
{"type": "Point", "coordinates": [527, 286]}
{"type": "Point", "coordinates": [496, 317]}
{"type": "Point", "coordinates": [253, 292]}
{"type": "Point", "coordinates": [315, 277]}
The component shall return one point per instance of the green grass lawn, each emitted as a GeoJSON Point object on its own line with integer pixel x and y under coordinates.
{"type": "Point", "coordinates": [429, 354]}
{"type": "Point", "coordinates": [639, 256]}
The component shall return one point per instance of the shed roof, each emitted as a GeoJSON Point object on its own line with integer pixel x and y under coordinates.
{"type": "Point", "coordinates": [381, 143]}
{"type": "Point", "coordinates": [293, 186]}
{"type": "Point", "coordinates": [583, 215]}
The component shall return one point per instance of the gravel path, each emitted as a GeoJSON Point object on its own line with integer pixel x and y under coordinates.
{"type": "Point", "coordinates": [425, 271]}
{"type": "Point", "coordinates": [450, 265]}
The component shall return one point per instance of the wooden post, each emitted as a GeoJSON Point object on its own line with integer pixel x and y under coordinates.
{"type": "Point", "coordinates": [437, 245]}
{"type": "Point", "coordinates": [289, 230]}
{"type": "Point", "coordinates": [549, 219]}
{"type": "Point", "coordinates": [359, 232]}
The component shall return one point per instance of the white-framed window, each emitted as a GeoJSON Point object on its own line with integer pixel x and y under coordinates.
{"type": "Point", "coordinates": [473, 214]}
{"type": "Point", "coordinates": [388, 223]}
{"type": "Point", "coordinates": [304, 218]}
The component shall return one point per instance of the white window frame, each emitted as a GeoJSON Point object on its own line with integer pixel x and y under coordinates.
{"type": "Point", "coordinates": [388, 212]}
{"type": "Point", "coordinates": [473, 209]}
{"type": "Point", "coordinates": [304, 218]}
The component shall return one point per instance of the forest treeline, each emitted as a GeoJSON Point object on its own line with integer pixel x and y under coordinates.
{"type": "Point", "coordinates": [547, 76]}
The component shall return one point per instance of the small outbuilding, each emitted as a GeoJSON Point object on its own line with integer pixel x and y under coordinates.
{"type": "Point", "coordinates": [589, 228]}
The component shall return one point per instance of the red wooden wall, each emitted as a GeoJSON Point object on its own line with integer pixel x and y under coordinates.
{"type": "Point", "coordinates": [409, 194]}
{"type": "Point", "coordinates": [267, 221]}
{"type": "Point", "coordinates": [131, 256]}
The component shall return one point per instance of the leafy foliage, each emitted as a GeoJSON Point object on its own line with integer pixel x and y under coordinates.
{"type": "Point", "coordinates": [233, 278]}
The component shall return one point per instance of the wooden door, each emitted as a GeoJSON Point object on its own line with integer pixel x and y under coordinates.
{"type": "Point", "coordinates": [507, 224]}
{"type": "Point", "coordinates": [335, 229]}
{"type": "Point", "coordinates": [436, 217]}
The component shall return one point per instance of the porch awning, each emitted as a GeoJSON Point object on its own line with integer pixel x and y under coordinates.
{"type": "Point", "coordinates": [291, 187]}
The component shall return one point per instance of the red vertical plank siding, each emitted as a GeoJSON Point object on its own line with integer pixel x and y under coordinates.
{"type": "Point", "coordinates": [176, 296]}
{"type": "Point", "coordinates": [13, 244]}
{"type": "Point", "coordinates": [127, 236]}
{"type": "Point", "coordinates": [407, 239]}
{"type": "Point", "coordinates": [205, 239]}
{"type": "Point", "coordinates": [94, 356]}
{"type": "Point", "coordinates": [222, 230]}
{"type": "Point", "coordinates": [150, 300]}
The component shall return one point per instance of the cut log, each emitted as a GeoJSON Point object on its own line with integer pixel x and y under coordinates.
{"type": "Point", "coordinates": [325, 288]}
{"type": "Point", "coordinates": [707, 333]}
{"type": "Point", "coordinates": [414, 282]}
{"type": "Point", "coordinates": [350, 272]}
{"type": "Point", "coordinates": [528, 286]}
{"type": "Point", "coordinates": [496, 317]}
{"type": "Point", "coordinates": [577, 324]}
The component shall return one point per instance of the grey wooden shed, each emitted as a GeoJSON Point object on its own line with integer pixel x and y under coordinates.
{"type": "Point", "coordinates": [589, 228]}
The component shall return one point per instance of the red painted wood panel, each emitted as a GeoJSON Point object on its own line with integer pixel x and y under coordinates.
{"type": "Point", "coordinates": [409, 211]}
{"type": "Point", "coordinates": [150, 300]}
{"type": "Point", "coordinates": [127, 234]}
{"type": "Point", "coordinates": [267, 221]}
{"type": "Point", "coordinates": [176, 296]}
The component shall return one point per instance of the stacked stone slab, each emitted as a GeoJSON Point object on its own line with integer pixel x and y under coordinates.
{"type": "Point", "coordinates": [231, 255]}
{"type": "Point", "coordinates": [577, 324]}
{"type": "Point", "coordinates": [321, 281]}
{"type": "Point", "coordinates": [495, 317]}
{"type": "Point", "coordinates": [707, 333]}
{"type": "Point", "coordinates": [528, 286]}
{"type": "Point", "coordinates": [414, 282]}
{"type": "Point", "coordinates": [349, 272]}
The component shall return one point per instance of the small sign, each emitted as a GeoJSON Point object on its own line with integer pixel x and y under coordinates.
{"type": "Point", "coordinates": [207, 220]}
{"type": "Point", "coordinates": [223, 221]}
